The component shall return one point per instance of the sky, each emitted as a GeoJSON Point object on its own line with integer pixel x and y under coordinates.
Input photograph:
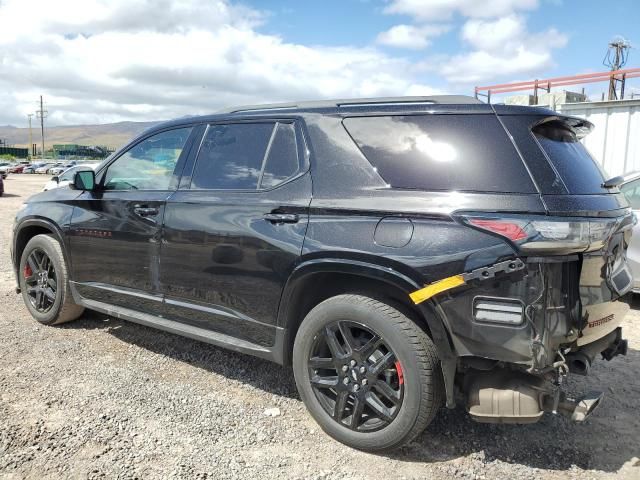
{"type": "Point", "coordinates": [101, 61]}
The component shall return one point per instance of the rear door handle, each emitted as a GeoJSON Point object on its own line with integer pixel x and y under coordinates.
{"type": "Point", "coordinates": [145, 211]}
{"type": "Point", "coordinates": [281, 217]}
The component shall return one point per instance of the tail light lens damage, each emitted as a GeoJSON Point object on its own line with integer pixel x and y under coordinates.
{"type": "Point", "coordinates": [551, 235]}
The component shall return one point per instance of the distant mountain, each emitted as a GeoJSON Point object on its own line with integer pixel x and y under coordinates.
{"type": "Point", "coordinates": [112, 135]}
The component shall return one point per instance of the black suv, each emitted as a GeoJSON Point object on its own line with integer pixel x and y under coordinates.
{"type": "Point", "coordinates": [398, 253]}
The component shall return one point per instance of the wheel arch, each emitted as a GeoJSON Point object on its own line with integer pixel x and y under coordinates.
{"type": "Point", "coordinates": [29, 228]}
{"type": "Point", "coordinates": [335, 276]}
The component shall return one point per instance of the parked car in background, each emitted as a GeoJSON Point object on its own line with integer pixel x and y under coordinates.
{"type": "Point", "coordinates": [4, 168]}
{"type": "Point", "coordinates": [66, 177]}
{"type": "Point", "coordinates": [44, 168]}
{"type": "Point", "coordinates": [17, 168]}
{"type": "Point", "coordinates": [51, 166]}
{"type": "Point", "coordinates": [57, 170]}
{"type": "Point", "coordinates": [399, 254]}
{"type": "Point", "coordinates": [31, 168]}
{"type": "Point", "coordinates": [630, 186]}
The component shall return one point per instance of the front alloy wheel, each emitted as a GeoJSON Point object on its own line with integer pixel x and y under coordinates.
{"type": "Point", "coordinates": [40, 279]}
{"type": "Point", "coordinates": [44, 282]}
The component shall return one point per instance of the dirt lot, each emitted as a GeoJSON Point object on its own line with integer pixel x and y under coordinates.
{"type": "Point", "coordinates": [102, 398]}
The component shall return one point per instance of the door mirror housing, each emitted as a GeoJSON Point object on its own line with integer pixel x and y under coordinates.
{"type": "Point", "coordinates": [55, 179]}
{"type": "Point", "coordinates": [85, 180]}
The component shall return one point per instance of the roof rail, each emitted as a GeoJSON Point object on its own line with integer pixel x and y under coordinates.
{"type": "Point", "coordinates": [356, 102]}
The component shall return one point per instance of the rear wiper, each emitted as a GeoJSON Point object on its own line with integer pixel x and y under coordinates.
{"type": "Point", "coordinates": [613, 182]}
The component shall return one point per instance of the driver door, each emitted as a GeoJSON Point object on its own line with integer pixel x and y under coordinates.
{"type": "Point", "coordinates": [115, 230]}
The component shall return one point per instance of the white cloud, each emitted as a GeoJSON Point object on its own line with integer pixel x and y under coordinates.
{"type": "Point", "coordinates": [502, 48]}
{"type": "Point", "coordinates": [109, 60]}
{"type": "Point", "coordinates": [497, 44]}
{"type": "Point", "coordinates": [493, 35]}
{"type": "Point", "coordinates": [432, 10]}
{"type": "Point", "coordinates": [411, 36]}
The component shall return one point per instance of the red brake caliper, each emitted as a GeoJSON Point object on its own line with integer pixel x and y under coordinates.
{"type": "Point", "coordinates": [26, 271]}
{"type": "Point", "coordinates": [400, 374]}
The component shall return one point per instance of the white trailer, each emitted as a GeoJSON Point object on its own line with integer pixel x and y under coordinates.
{"type": "Point", "coordinates": [615, 141]}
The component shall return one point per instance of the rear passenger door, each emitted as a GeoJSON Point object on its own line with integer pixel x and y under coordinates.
{"type": "Point", "coordinates": [234, 229]}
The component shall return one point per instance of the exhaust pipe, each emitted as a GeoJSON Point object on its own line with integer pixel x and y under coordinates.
{"type": "Point", "coordinates": [579, 363]}
{"type": "Point", "coordinates": [581, 409]}
{"type": "Point", "coordinates": [609, 346]}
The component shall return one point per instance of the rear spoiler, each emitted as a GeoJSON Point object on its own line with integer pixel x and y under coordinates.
{"type": "Point", "coordinates": [580, 127]}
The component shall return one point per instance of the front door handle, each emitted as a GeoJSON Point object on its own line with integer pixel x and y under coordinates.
{"type": "Point", "coordinates": [281, 217]}
{"type": "Point", "coordinates": [144, 211]}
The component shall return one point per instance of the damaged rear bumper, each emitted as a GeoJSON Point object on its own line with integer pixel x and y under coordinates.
{"type": "Point", "coordinates": [516, 333]}
{"type": "Point", "coordinates": [512, 396]}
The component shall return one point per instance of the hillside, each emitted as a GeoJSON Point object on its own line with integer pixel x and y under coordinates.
{"type": "Point", "coordinates": [112, 135]}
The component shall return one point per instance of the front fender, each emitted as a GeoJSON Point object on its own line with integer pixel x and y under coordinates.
{"type": "Point", "coordinates": [19, 240]}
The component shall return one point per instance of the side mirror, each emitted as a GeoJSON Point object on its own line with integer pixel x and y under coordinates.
{"type": "Point", "coordinates": [85, 180]}
{"type": "Point", "coordinates": [55, 179]}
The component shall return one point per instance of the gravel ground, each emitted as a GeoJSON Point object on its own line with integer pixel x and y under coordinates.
{"type": "Point", "coordinates": [103, 398]}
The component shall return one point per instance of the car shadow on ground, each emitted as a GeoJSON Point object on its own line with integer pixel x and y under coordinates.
{"type": "Point", "coordinates": [634, 301]}
{"type": "Point", "coordinates": [267, 376]}
{"type": "Point", "coordinates": [606, 441]}
{"type": "Point", "coordinates": [554, 443]}
{"type": "Point", "coordinates": [8, 195]}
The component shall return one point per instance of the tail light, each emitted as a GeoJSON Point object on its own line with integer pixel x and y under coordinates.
{"type": "Point", "coordinates": [549, 235]}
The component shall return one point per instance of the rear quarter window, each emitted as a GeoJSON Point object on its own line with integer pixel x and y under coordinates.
{"type": "Point", "coordinates": [441, 152]}
{"type": "Point", "coordinates": [570, 158]}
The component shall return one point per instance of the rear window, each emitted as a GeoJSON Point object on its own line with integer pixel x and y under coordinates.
{"type": "Point", "coordinates": [573, 162]}
{"type": "Point", "coordinates": [231, 156]}
{"type": "Point", "coordinates": [441, 152]}
{"type": "Point", "coordinates": [282, 160]}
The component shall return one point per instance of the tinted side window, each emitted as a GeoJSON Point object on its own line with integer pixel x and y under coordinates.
{"type": "Point", "coordinates": [573, 162]}
{"type": "Point", "coordinates": [231, 156]}
{"type": "Point", "coordinates": [148, 165]}
{"type": "Point", "coordinates": [282, 159]}
{"type": "Point", "coordinates": [441, 152]}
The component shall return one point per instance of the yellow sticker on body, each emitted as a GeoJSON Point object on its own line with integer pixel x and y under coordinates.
{"type": "Point", "coordinates": [434, 288]}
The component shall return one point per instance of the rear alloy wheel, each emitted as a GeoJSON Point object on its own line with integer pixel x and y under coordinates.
{"type": "Point", "coordinates": [355, 376]}
{"type": "Point", "coordinates": [44, 282]}
{"type": "Point", "coordinates": [368, 374]}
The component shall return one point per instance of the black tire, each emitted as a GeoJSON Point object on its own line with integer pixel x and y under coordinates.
{"type": "Point", "coordinates": [37, 290]}
{"type": "Point", "coordinates": [419, 376]}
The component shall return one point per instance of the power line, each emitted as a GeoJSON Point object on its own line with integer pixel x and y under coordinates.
{"type": "Point", "coordinates": [42, 114]}
{"type": "Point", "coordinates": [29, 115]}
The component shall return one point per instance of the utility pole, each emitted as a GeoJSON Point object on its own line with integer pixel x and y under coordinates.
{"type": "Point", "coordinates": [42, 114]}
{"type": "Point", "coordinates": [30, 135]}
{"type": "Point", "coordinates": [615, 59]}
